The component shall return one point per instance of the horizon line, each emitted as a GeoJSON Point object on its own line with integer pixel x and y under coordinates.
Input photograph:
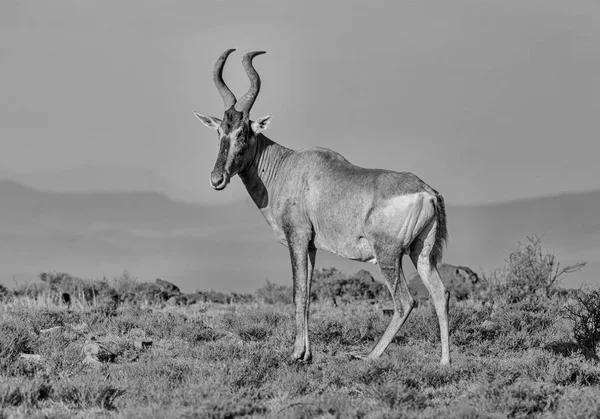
{"type": "Point", "coordinates": [247, 199]}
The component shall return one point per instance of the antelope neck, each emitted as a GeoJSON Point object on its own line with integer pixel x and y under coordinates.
{"type": "Point", "coordinates": [262, 172]}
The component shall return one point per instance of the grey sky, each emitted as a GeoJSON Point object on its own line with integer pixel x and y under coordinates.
{"type": "Point", "coordinates": [485, 100]}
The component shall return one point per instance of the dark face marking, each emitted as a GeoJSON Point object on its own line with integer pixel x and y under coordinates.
{"type": "Point", "coordinates": [232, 120]}
{"type": "Point", "coordinates": [219, 175]}
{"type": "Point", "coordinates": [234, 149]}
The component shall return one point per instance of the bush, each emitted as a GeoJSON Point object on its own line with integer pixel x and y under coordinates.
{"type": "Point", "coordinates": [532, 274]}
{"type": "Point", "coordinates": [335, 286]}
{"type": "Point", "coordinates": [15, 338]}
{"type": "Point", "coordinates": [272, 293]}
{"type": "Point", "coordinates": [584, 311]}
{"type": "Point", "coordinates": [4, 293]}
{"type": "Point", "coordinates": [254, 325]}
{"type": "Point", "coordinates": [55, 284]}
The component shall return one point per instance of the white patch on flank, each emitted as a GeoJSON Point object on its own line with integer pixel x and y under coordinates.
{"type": "Point", "coordinates": [401, 205]}
{"type": "Point", "coordinates": [405, 215]}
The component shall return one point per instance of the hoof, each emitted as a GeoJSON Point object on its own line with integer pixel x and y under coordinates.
{"type": "Point", "coordinates": [299, 361]}
{"type": "Point", "coordinates": [296, 357]}
{"type": "Point", "coordinates": [300, 357]}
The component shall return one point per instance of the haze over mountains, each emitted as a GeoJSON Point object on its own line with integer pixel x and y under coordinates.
{"type": "Point", "coordinates": [230, 247]}
{"type": "Point", "coordinates": [100, 178]}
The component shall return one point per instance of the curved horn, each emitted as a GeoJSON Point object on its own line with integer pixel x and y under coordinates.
{"type": "Point", "coordinates": [228, 97]}
{"type": "Point", "coordinates": [245, 103]}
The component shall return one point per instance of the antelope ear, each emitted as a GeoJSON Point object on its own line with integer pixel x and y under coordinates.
{"type": "Point", "coordinates": [261, 124]}
{"type": "Point", "coordinates": [210, 121]}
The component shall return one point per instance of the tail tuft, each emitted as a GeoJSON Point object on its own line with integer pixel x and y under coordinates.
{"type": "Point", "coordinates": [441, 235]}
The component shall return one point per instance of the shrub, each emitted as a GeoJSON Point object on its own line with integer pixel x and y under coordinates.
{"type": "Point", "coordinates": [526, 398]}
{"type": "Point", "coordinates": [272, 293]}
{"type": "Point", "coordinates": [531, 274]}
{"type": "Point", "coordinates": [398, 396]}
{"type": "Point", "coordinates": [15, 338]}
{"type": "Point", "coordinates": [255, 325]}
{"type": "Point", "coordinates": [217, 297]}
{"type": "Point", "coordinates": [195, 331]}
{"type": "Point", "coordinates": [54, 284]}
{"type": "Point", "coordinates": [348, 327]}
{"type": "Point", "coordinates": [86, 290]}
{"type": "Point", "coordinates": [333, 285]}
{"type": "Point", "coordinates": [584, 311]}
{"type": "Point", "coordinates": [259, 364]}
{"type": "Point", "coordinates": [34, 290]}
{"type": "Point", "coordinates": [4, 293]}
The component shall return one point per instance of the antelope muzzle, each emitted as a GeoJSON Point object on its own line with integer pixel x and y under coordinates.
{"type": "Point", "coordinates": [218, 180]}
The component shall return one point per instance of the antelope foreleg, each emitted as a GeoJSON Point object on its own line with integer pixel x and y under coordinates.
{"type": "Point", "coordinates": [301, 271]}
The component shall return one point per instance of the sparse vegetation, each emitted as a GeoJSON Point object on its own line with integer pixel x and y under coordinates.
{"type": "Point", "coordinates": [272, 293]}
{"type": "Point", "coordinates": [522, 347]}
{"type": "Point", "coordinates": [531, 274]}
{"type": "Point", "coordinates": [584, 311]}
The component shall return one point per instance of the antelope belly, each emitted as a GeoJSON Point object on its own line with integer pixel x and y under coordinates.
{"type": "Point", "coordinates": [357, 248]}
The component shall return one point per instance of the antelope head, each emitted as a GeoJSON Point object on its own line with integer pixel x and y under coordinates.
{"type": "Point", "coordinates": [236, 132]}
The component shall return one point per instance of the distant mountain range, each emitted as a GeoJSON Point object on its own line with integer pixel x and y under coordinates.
{"type": "Point", "coordinates": [231, 247]}
{"type": "Point", "coordinates": [98, 178]}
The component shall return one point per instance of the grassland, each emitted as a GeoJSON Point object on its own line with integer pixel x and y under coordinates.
{"type": "Point", "coordinates": [520, 345]}
{"type": "Point", "coordinates": [219, 361]}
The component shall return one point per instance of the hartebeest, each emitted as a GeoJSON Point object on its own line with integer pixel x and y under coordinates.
{"type": "Point", "coordinates": [315, 199]}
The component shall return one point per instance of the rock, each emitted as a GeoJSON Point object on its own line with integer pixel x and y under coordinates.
{"type": "Point", "coordinates": [217, 297]}
{"type": "Point", "coordinates": [97, 352]}
{"type": "Point", "coordinates": [142, 344]}
{"type": "Point", "coordinates": [489, 326]}
{"type": "Point", "coordinates": [89, 360]}
{"type": "Point", "coordinates": [50, 330]}
{"type": "Point", "coordinates": [168, 287]}
{"type": "Point", "coordinates": [172, 301]}
{"type": "Point", "coordinates": [194, 298]}
{"type": "Point", "coordinates": [31, 357]}
{"type": "Point", "coordinates": [91, 349]}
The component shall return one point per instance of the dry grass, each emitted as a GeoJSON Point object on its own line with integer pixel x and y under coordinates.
{"type": "Point", "coordinates": [220, 361]}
